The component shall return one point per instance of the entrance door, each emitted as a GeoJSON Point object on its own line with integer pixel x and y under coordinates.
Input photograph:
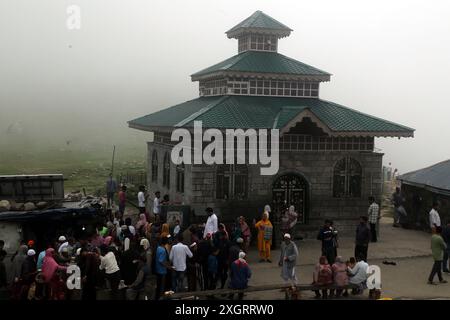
{"type": "Point", "coordinates": [287, 190]}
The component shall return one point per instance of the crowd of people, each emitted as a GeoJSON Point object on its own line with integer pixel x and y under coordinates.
{"type": "Point", "coordinates": [152, 257]}
{"type": "Point", "coordinates": [331, 268]}
{"type": "Point", "coordinates": [125, 257]}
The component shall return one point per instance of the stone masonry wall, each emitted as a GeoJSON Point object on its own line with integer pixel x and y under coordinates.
{"type": "Point", "coordinates": [176, 197]}
{"type": "Point", "coordinates": [316, 167]}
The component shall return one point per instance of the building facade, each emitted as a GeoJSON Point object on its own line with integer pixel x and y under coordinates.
{"type": "Point", "coordinates": [328, 163]}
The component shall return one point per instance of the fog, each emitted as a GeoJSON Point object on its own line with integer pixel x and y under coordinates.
{"type": "Point", "coordinates": [130, 58]}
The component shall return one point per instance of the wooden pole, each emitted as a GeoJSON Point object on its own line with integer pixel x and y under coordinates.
{"type": "Point", "coordinates": [112, 163]}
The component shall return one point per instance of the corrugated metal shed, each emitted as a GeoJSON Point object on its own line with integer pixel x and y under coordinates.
{"type": "Point", "coordinates": [435, 178]}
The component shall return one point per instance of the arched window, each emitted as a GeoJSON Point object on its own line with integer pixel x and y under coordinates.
{"type": "Point", "coordinates": [231, 182]}
{"type": "Point", "coordinates": [180, 178]}
{"type": "Point", "coordinates": [166, 171]}
{"type": "Point", "coordinates": [155, 166]}
{"type": "Point", "coordinates": [347, 178]}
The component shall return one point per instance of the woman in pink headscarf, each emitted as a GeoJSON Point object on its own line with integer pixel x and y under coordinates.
{"type": "Point", "coordinates": [108, 241]}
{"type": "Point", "coordinates": [141, 225]}
{"type": "Point", "coordinates": [245, 232]}
{"type": "Point", "coordinates": [50, 276]}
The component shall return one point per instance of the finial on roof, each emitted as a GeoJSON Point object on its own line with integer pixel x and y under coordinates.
{"type": "Point", "coordinates": [259, 22]}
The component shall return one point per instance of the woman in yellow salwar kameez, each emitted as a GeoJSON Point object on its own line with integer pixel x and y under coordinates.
{"type": "Point", "coordinates": [265, 228]}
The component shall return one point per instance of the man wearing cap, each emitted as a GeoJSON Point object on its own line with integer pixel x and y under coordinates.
{"type": "Point", "coordinates": [193, 268]}
{"type": "Point", "coordinates": [63, 243]}
{"type": "Point", "coordinates": [25, 276]}
{"type": "Point", "coordinates": [212, 224]}
{"type": "Point", "coordinates": [288, 260]}
{"type": "Point", "coordinates": [240, 274]}
{"type": "Point", "coordinates": [29, 268]}
{"type": "Point", "coordinates": [328, 237]}
{"type": "Point", "coordinates": [30, 244]}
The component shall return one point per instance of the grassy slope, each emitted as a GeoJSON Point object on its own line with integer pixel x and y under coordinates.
{"type": "Point", "coordinates": [82, 168]}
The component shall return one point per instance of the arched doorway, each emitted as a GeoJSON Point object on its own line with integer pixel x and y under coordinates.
{"type": "Point", "coordinates": [291, 189]}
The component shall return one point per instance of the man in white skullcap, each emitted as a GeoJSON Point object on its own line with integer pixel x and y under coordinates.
{"type": "Point", "coordinates": [240, 274]}
{"type": "Point", "coordinates": [28, 270]}
{"type": "Point", "coordinates": [63, 243]}
{"type": "Point", "coordinates": [288, 260]}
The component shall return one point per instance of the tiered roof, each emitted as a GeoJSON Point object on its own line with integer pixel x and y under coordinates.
{"type": "Point", "coordinates": [279, 112]}
{"type": "Point", "coordinates": [261, 62]}
{"type": "Point", "coordinates": [269, 113]}
{"type": "Point", "coordinates": [259, 22]}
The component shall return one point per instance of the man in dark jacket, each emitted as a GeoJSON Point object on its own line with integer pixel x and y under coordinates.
{"type": "Point", "coordinates": [233, 251]}
{"type": "Point", "coordinates": [222, 243]}
{"type": "Point", "coordinates": [132, 292]}
{"type": "Point", "coordinates": [204, 249]}
{"type": "Point", "coordinates": [327, 236]}
{"type": "Point", "coordinates": [362, 239]}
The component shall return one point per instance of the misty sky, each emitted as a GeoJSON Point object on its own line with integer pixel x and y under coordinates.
{"type": "Point", "coordinates": [390, 59]}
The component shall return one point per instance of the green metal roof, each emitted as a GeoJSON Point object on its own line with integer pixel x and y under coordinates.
{"type": "Point", "coordinates": [262, 62]}
{"type": "Point", "coordinates": [260, 20]}
{"type": "Point", "coordinates": [267, 112]}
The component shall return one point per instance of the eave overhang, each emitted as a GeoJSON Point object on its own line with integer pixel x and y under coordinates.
{"type": "Point", "coordinates": [262, 75]}
{"type": "Point", "coordinates": [242, 31]}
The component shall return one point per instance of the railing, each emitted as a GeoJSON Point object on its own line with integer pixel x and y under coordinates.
{"type": "Point", "coordinates": [128, 178]}
{"type": "Point", "coordinates": [272, 287]}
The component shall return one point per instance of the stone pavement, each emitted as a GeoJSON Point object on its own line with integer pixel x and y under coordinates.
{"type": "Point", "coordinates": [393, 243]}
{"type": "Point", "coordinates": [410, 249]}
